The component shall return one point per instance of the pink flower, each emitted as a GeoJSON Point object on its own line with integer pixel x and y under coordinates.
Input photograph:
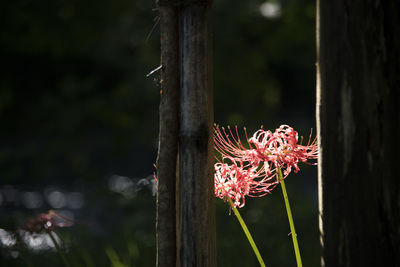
{"type": "Point", "coordinates": [229, 145]}
{"type": "Point", "coordinates": [250, 170]}
{"type": "Point", "coordinates": [235, 181]}
{"type": "Point", "coordinates": [281, 148]}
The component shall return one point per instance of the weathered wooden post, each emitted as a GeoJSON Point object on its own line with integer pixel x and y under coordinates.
{"type": "Point", "coordinates": [168, 135]}
{"type": "Point", "coordinates": [186, 89]}
{"type": "Point", "coordinates": [196, 189]}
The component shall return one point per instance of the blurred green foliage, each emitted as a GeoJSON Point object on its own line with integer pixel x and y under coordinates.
{"type": "Point", "coordinates": [76, 108]}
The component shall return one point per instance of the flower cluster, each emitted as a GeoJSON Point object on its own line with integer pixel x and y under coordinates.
{"type": "Point", "coordinates": [235, 181]}
{"type": "Point", "coordinates": [252, 168]}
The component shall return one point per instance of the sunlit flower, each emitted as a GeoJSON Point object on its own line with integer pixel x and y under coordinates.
{"type": "Point", "coordinates": [235, 181]}
{"type": "Point", "coordinates": [229, 145]}
{"type": "Point", "coordinates": [281, 148]}
{"type": "Point", "coordinates": [265, 151]}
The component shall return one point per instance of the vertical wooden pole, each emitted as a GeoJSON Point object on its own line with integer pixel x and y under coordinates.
{"type": "Point", "coordinates": [197, 211]}
{"type": "Point", "coordinates": [358, 111]}
{"type": "Point", "coordinates": [168, 135]}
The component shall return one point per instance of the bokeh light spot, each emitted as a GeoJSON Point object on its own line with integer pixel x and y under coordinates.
{"type": "Point", "coordinates": [270, 10]}
{"type": "Point", "coordinates": [56, 199]}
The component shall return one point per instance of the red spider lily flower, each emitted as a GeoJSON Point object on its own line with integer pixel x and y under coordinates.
{"type": "Point", "coordinates": [236, 181]}
{"type": "Point", "coordinates": [228, 144]}
{"type": "Point", "coordinates": [47, 221]}
{"type": "Point", "coordinates": [281, 148]}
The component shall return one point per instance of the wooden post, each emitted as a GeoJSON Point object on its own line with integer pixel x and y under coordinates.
{"type": "Point", "coordinates": [197, 211]}
{"type": "Point", "coordinates": [358, 117]}
{"type": "Point", "coordinates": [185, 46]}
{"type": "Point", "coordinates": [168, 135]}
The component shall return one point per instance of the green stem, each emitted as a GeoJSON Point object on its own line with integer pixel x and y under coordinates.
{"type": "Point", "coordinates": [64, 259]}
{"type": "Point", "coordinates": [290, 218]}
{"type": "Point", "coordinates": [247, 232]}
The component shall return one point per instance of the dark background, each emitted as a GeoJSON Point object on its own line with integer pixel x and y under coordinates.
{"type": "Point", "coordinates": [79, 125]}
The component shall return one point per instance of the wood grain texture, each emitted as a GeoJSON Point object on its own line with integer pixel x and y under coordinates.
{"type": "Point", "coordinates": [197, 211]}
{"type": "Point", "coordinates": [168, 137]}
{"type": "Point", "coordinates": [358, 118]}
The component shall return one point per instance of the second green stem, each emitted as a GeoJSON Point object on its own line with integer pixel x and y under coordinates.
{"type": "Point", "coordinates": [290, 218]}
